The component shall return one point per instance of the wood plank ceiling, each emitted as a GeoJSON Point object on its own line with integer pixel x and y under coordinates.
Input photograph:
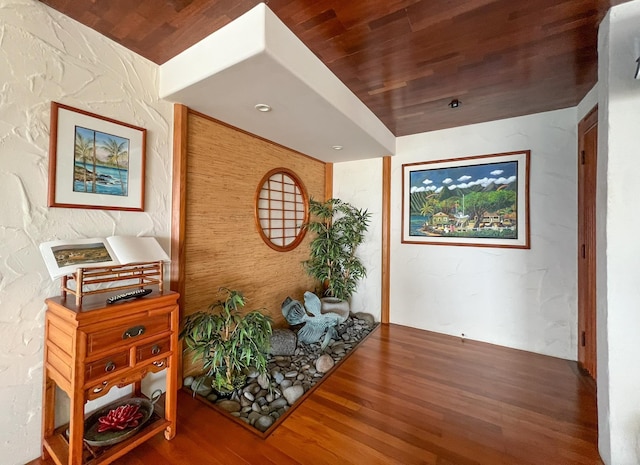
{"type": "Point", "coordinates": [405, 59]}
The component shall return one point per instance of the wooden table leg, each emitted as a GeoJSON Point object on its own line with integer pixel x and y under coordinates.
{"type": "Point", "coordinates": [76, 429]}
{"type": "Point", "coordinates": [48, 411]}
{"type": "Point", "coordinates": [171, 397]}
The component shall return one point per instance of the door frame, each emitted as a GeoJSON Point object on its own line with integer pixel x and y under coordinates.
{"type": "Point", "coordinates": [587, 183]}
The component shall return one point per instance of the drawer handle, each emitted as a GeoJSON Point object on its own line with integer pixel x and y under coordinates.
{"type": "Point", "coordinates": [159, 363]}
{"type": "Point", "coordinates": [133, 332]}
{"type": "Point", "coordinates": [100, 388]}
{"type": "Point", "coordinates": [109, 367]}
{"type": "Point", "coordinates": [156, 349]}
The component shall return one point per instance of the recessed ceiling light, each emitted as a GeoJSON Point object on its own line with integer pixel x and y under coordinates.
{"type": "Point", "coordinates": [263, 107]}
{"type": "Point", "coordinates": [337, 147]}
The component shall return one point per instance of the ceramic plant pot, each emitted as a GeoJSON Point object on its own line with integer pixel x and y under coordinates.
{"type": "Point", "coordinates": [334, 305]}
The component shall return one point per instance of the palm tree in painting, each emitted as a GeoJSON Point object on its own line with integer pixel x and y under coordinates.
{"type": "Point", "coordinates": [94, 185]}
{"type": "Point", "coordinates": [115, 151]}
{"type": "Point", "coordinates": [430, 206]}
{"type": "Point", "coordinates": [83, 152]}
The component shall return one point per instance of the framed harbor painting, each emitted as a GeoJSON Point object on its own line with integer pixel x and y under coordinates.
{"type": "Point", "coordinates": [480, 201]}
{"type": "Point", "coordinates": [95, 162]}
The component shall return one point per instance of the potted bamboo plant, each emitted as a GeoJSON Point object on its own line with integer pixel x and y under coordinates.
{"type": "Point", "coordinates": [227, 342]}
{"type": "Point", "coordinates": [340, 228]}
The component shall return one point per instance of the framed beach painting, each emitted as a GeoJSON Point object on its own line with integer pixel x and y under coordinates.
{"type": "Point", "coordinates": [480, 201]}
{"type": "Point", "coordinates": [95, 162]}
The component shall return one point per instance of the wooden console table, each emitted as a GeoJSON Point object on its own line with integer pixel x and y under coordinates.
{"type": "Point", "coordinates": [90, 348]}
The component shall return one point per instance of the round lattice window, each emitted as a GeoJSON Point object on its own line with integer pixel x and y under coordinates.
{"type": "Point", "coordinates": [281, 209]}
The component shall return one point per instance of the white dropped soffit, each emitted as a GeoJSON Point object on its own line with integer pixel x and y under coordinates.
{"type": "Point", "coordinates": [256, 59]}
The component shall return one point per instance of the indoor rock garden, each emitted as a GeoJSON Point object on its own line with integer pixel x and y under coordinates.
{"type": "Point", "coordinates": [256, 373]}
{"type": "Point", "coordinates": [267, 375]}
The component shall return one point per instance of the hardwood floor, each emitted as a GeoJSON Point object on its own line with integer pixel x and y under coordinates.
{"type": "Point", "coordinates": [405, 397]}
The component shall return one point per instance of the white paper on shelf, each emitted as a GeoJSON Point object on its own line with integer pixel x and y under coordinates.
{"type": "Point", "coordinates": [63, 257]}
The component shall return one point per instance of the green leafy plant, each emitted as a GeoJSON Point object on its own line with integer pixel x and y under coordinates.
{"type": "Point", "coordinates": [227, 341]}
{"type": "Point", "coordinates": [340, 229]}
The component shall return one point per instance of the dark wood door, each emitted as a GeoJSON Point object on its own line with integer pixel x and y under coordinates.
{"type": "Point", "coordinates": [587, 175]}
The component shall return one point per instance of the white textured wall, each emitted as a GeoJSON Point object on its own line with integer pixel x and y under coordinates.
{"type": "Point", "coordinates": [360, 184]}
{"type": "Point", "coordinates": [524, 299]}
{"type": "Point", "coordinates": [618, 273]}
{"type": "Point", "coordinates": [45, 56]}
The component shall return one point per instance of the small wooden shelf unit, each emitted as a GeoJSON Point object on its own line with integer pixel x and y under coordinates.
{"type": "Point", "coordinates": [91, 347]}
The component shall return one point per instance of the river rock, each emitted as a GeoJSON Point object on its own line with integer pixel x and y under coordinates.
{"type": "Point", "coordinates": [229, 405]}
{"type": "Point", "coordinates": [293, 393]}
{"type": "Point", "coordinates": [278, 377]}
{"type": "Point", "coordinates": [255, 389]}
{"type": "Point", "coordinates": [283, 342]}
{"type": "Point", "coordinates": [264, 422]}
{"type": "Point", "coordinates": [203, 389]}
{"type": "Point", "coordinates": [285, 384]}
{"type": "Point", "coordinates": [324, 363]}
{"type": "Point", "coordinates": [367, 317]}
{"type": "Point", "coordinates": [338, 346]}
{"type": "Point", "coordinates": [278, 403]}
{"type": "Point", "coordinates": [263, 381]}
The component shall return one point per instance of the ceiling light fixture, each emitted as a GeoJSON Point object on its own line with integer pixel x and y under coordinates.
{"type": "Point", "coordinates": [337, 147]}
{"type": "Point", "coordinates": [263, 107]}
{"type": "Point", "coordinates": [455, 103]}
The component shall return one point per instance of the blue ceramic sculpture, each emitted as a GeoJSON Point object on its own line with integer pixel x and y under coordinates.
{"type": "Point", "coordinates": [315, 322]}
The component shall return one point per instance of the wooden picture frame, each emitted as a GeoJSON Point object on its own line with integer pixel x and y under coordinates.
{"type": "Point", "coordinates": [480, 201]}
{"type": "Point", "coordinates": [95, 162]}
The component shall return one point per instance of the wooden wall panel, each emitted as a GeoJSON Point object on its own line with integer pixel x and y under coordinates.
{"type": "Point", "coordinates": [386, 240]}
{"type": "Point", "coordinates": [178, 197]}
{"type": "Point", "coordinates": [222, 245]}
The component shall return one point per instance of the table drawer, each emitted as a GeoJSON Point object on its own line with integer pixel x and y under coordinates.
{"type": "Point", "coordinates": [106, 365]}
{"type": "Point", "coordinates": [153, 349]}
{"type": "Point", "coordinates": [128, 333]}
